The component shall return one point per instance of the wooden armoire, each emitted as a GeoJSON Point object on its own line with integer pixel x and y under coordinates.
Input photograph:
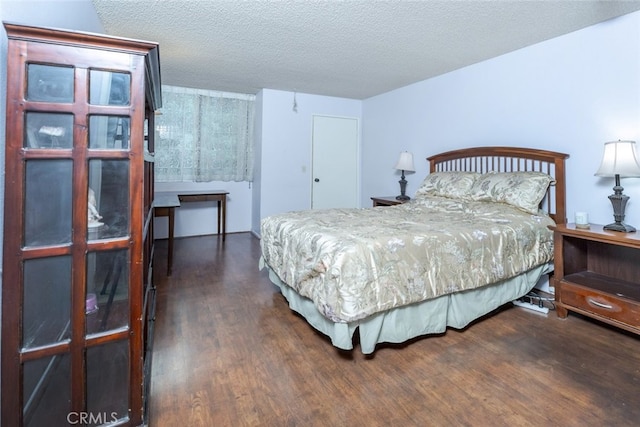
{"type": "Point", "coordinates": [77, 289]}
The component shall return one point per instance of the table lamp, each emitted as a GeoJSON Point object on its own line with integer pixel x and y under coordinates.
{"type": "Point", "coordinates": [620, 159]}
{"type": "Point", "coordinates": [405, 163]}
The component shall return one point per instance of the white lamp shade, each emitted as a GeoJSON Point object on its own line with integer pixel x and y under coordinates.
{"type": "Point", "coordinates": [620, 158]}
{"type": "Point", "coordinates": [405, 162]}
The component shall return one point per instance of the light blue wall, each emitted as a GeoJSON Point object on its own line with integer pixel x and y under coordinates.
{"type": "Point", "coordinates": [79, 15]}
{"type": "Point", "coordinates": [284, 165]}
{"type": "Point", "coordinates": [257, 169]}
{"type": "Point", "coordinates": [569, 94]}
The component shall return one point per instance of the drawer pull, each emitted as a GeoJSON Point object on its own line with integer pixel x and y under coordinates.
{"type": "Point", "coordinates": [599, 304]}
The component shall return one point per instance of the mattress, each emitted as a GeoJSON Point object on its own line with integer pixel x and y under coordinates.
{"type": "Point", "coordinates": [353, 263]}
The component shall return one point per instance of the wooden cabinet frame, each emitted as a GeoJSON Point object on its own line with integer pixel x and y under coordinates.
{"type": "Point", "coordinates": [83, 53]}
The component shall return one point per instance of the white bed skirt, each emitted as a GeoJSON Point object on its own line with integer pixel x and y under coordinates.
{"type": "Point", "coordinates": [403, 323]}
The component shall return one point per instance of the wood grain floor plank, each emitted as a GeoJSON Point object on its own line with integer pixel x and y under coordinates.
{"type": "Point", "coordinates": [229, 352]}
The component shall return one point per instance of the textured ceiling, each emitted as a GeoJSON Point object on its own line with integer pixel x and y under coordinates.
{"type": "Point", "coordinates": [350, 49]}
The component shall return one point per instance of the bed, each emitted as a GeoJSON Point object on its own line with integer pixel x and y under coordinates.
{"type": "Point", "coordinates": [474, 237]}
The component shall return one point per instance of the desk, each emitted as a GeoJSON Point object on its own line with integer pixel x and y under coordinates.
{"type": "Point", "coordinates": [219, 196]}
{"type": "Point", "coordinates": [165, 203]}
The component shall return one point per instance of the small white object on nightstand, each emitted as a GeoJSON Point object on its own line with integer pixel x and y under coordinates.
{"type": "Point", "coordinates": [582, 220]}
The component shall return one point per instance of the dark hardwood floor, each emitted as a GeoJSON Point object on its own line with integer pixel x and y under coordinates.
{"type": "Point", "coordinates": [229, 352]}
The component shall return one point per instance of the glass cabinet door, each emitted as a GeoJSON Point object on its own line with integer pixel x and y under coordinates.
{"type": "Point", "coordinates": [108, 203]}
{"type": "Point", "coordinates": [107, 294]}
{"type": "Point", "coordinates": [48, 284]}
{"type": "Point", "coordinates": [46, 390]}
{"type": "Point", "coordinates": [46, 315]}
{"type": "Point", "coordinates": [48, 202]}
{"type": "Point", "coordinates": [48, 130]}
{"type": "Point", "coordinates": [108, 381]}
{"type": "Point", "coordinates": [109, 88]}
{"type": "Point", "coordinates": [50, 83]}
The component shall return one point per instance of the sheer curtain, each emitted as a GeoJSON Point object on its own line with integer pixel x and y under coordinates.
{"type": "Point", "coordinates": [204, 135]}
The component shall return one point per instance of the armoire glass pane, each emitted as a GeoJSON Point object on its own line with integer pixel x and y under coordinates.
{"type": "Point", "coordinates": [46, 309]}
{"type": "Point", "coordinates": [48, 130]}
{"type": "Point", "coordinates": [109, 132]}
{"type": "Point", "coordinates": [48, 205]}
{"type": "Point", "coordinates": [108, 193]}
{"type": "Point", "coordinates": [107, 295]}
{"type": "Point", "coordinates": [47, 392]}
{"type": "Point", "coordinates": [49, 83]}
{"type": "Point", "coordinates": [108, 381]}
{"type": "Point", "coordinates": [109, 88]}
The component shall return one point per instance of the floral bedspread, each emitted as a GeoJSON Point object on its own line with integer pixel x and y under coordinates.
{"type": "Point", "coordinates": [356, 262]}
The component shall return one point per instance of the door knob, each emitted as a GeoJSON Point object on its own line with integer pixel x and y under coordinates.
{"type": "Point", "coordinates": [317, 180]}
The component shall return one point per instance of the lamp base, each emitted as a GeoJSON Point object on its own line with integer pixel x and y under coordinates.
{"type": "Point", "coordinates": [403, 187]}
{"type": "Point", "coordinates": [620, 226]}
{"type": "Point", "coordinates": [619, 202]}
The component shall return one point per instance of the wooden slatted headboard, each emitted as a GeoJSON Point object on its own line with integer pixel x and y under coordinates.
{"type": "Point", "coordinates": [511, 159]}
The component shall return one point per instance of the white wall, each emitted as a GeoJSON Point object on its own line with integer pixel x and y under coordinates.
{"type": "Point", "coordinates": [569, 94]}
{"type": "Point", "coordinates": [257, 164]}
{"type": "Point", "coordinates": [201, 218]}
{"type": "Point", "coordinates": [283, 168]}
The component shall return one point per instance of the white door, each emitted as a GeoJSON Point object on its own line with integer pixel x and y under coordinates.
{"type": "Point", "coordinates": [335, 163]}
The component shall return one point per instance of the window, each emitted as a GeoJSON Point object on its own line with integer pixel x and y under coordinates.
{"type": "Point", "coordinates": [204, 135]}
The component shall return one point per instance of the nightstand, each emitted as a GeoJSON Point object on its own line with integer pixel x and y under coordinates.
{"type": "Point", "coordinates": [387, 201]}
{"type": "Point", "coordinates": [597, 274]}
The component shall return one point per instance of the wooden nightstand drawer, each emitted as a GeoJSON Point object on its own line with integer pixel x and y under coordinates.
{"type": "Point", "coordinates": [603, 306]}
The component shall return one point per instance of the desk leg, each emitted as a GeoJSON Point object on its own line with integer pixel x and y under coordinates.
{"type": "Point", "coordinates": [223, 211]}
{"type": "Point", "coordinates": [170, 251]}
{"type": "Point", "coordinates": [219, 216]}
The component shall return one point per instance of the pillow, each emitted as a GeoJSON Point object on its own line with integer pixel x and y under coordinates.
{"type": "Point", "coordinates": [524, 190]}
{"type": "Point", "coordinates": [448, 184]}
